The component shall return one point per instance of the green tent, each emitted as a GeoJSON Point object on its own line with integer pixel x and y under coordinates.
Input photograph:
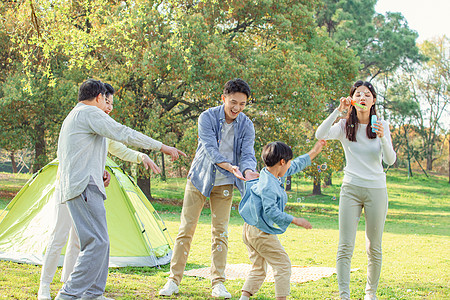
{"type": "Point", "coordinates": [138, 236]}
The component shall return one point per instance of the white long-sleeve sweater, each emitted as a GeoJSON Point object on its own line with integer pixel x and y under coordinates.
{"type": "Point", "coordinates": [363, 157]}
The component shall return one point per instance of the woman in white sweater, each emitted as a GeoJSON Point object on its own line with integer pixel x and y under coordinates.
{"type": "Point", "coordinates": [364, 184]}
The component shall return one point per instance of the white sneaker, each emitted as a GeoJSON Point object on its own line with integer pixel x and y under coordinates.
{"type": "Point", "coordinates": [169, 288]}
{"type": "Point", "coordinates": [219, 290]}
{"type": "Point", "coordinates": [44, 292]}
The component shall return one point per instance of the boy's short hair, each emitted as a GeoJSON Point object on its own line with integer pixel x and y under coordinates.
{"type": "Point", "coordinates": [274, 152]}
{"type": "Point", "coordinates": [236, 85]}
{"type": "Point", "coordinates": [109, 89]}
{"type": "Point", "coordinates": [90, 89]}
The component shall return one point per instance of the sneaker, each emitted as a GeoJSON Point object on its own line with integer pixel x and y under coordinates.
{"type": "Point", "coordinates": [169, 288]}
{"type": "Point", "coordinates": [219, 290]}
{"type": "Point", "coordinates": [44, 292]}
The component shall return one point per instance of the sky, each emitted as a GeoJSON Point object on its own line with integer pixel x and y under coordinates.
{"type": "Point", "coordinates": [430, 18]}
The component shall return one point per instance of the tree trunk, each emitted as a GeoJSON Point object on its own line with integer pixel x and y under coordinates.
{"type": "Point", "coordinates": [430, 158]}
{"type": "Point", "coordinates": [163, 168]}
{"type": "Point", "coordinates": [408, 150]}
{"type": "Point", "coordinates": [145, 185]}
{"type": "Point", "coordinates": [317, 190]}
{"type": "Point", "coordinates": [13, 162]}
{"type": "Point", "coordinates": [425, 172]}
{"type": "Point", "coordinates": [410, 174]}
{"type": "Point", "coordinates": [429, 163]}
{"type": "Point", "coordinates": [288, 183]}
{"type": "Point", "coordinates": [328, 180]}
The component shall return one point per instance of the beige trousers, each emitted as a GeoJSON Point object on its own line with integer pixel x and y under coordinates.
{"type": "Point", "coordinates": [220, 201]}
{"type": "Point", "coordinates": [375, 203]}
{"type": "Point", "coordinates": [263, 249]}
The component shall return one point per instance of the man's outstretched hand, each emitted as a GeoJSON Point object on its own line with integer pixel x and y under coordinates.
{"type": "Point", "coordinates": [172, 151]}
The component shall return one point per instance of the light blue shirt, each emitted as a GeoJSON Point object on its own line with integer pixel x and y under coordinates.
{"type": "Point", "coordinates": [204, 166]}
{"type": "Point", "coordinates": [265, 199]}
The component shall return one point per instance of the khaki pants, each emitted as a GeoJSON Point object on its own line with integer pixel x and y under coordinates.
{"type": "Point", "coordinates": [263, 249]}
{"type": "Point", "coordinates": [352, 200]}
{"type": "Point", "coordinates": [193, 202]}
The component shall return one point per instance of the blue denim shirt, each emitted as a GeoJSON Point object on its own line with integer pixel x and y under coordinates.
{"type": "Point", "coordinates": [265, 199]}
{"type": "Point", "coordinates": [204, 166]}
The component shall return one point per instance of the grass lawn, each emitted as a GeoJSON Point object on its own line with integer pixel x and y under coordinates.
{"type": "Point", "coordinates": [416, 245]}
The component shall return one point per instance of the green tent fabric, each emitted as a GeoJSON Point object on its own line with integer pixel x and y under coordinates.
{"type": "Point", "coordinates": [138, 236]}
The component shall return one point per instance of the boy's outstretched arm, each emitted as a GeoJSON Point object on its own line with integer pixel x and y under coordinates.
{"type": "Point", "coordinates": [317, 149]}
{"type": "Point", "coordinates": [302, 223]}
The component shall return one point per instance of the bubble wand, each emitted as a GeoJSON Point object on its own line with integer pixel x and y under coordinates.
{"type": "Point", "coordinates": [354, 103]}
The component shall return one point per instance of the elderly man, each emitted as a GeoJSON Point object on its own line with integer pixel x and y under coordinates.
{"type": "Point", "coordinates": [82, 156]}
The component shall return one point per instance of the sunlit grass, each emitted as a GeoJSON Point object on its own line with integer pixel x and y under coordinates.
{"type": "Point", "coordinates": [416, 246]}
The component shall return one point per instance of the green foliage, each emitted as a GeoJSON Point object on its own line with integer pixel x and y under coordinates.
{"type": "Point", "coordinates": [382, 42]}
{"type": "Point", "coordinates": [168, 60]}
{"type": "Point", "coordinates": [420, 97]}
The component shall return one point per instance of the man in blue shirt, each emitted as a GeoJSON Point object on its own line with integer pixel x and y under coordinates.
{"type": "Point", "coordinates": [225, 157]}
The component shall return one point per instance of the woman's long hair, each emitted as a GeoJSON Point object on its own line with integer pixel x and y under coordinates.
{"type": "Point", "coordinates": [352, 123]}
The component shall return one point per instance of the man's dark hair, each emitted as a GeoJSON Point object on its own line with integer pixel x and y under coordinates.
{"type": "Point", "coordinates": [274, 152]}
{"type": "Point", "coordinates": [236, 85]}
{"type": "Point", "coordinates": [109, 89]}
{"type": "Point", "coordinates": [90, 89]}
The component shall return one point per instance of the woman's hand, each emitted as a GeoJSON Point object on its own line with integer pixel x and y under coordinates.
{"type": "Point", "coordinates": [379, 129]}
{"type": "Point", "coordinates": [345, 103]}
{"type": "Point", "coordinates": [148, 163]}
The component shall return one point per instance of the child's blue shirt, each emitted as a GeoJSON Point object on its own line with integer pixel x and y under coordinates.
{"type": "Point", "coordinates": [265, 199]}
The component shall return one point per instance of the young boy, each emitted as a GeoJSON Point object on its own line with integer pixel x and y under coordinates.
{"type": "Point", "coordinates": [262, 209]}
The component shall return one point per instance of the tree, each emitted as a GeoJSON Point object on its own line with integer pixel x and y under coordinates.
{"type": "Point", "coordinates": [427, 85]}
{"type": "Point", "coordinates": [382, 42]}
{"type": "Point", "coordinates": [403, 111]}
{"type": "Point", "coordinates": [169, 59]}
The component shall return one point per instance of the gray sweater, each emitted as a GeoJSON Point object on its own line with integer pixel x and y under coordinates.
{"type": "Point", "coordinates": [82, 148]}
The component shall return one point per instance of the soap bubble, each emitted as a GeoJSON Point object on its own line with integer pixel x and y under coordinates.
{"type": "Point", "coordinates": [181, 243]}
{"type": "Point", "coordinates": [307, 140]}
{"type": "Point", "coordinates": [226, 193]}
{"type": "Point", "coordinates": [219, 248]}
{"type": "Point", "coordinates": [323, 166]}
{"type": "Point", "coordinates": [334, 198]}
{"type": "Point", "coordinates": [288, 182]}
